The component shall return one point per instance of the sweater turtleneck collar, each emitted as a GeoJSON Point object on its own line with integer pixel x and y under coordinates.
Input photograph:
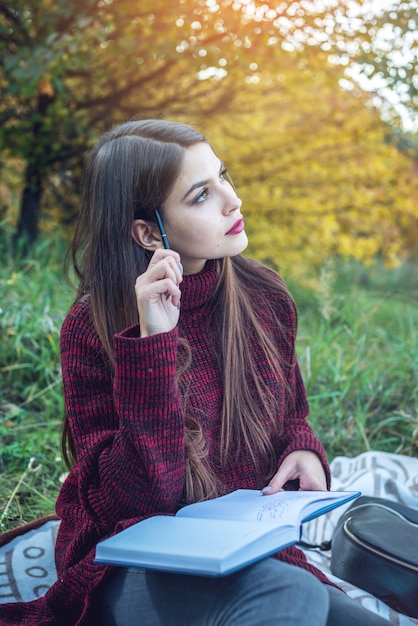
{"type": "Point", "coordinates": [196, 289]}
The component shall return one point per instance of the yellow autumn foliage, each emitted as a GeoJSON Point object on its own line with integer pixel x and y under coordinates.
{"type": "Point", "coordinates": [319, 173]}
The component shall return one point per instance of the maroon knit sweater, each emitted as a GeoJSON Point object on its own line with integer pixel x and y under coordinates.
{"type": "Point", "coordinates": [128, 432]}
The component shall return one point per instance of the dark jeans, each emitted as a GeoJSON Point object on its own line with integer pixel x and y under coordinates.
{"type": "Point", "coordinates": [265, 594]}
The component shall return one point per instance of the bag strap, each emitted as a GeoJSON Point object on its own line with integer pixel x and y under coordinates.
{"type": "Point", "coordinates": [324, 546]}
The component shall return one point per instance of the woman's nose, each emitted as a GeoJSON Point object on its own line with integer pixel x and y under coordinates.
{"type": "Point", "coordinates": [231, 202]}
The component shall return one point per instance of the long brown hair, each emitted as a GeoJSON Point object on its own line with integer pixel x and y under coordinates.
{"type": "Point", "coordinates": [129, 174]}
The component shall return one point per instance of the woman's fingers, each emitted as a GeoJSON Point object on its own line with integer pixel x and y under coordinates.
{"type": "Point", "coordinates": [158, 293]}
{"type": "Point", "coordinates": [161, 255]}
{"type": "Point", "coordinates": [152, 292]}
{"type": "Point", "coordinates": [167, 267]}
{"type": "Point", "coordinates": [302, 465]}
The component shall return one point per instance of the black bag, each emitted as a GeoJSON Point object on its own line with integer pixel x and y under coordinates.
{"type": "Point", "coordinates": [375, 547]}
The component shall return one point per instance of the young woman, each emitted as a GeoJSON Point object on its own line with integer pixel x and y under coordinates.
{"type": "Point", "coordinates": [181, 383]}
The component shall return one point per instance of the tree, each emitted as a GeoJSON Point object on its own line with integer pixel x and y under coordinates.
{"type": "Point", "coordinates": [68, 70]}
{"type": "Point", "coordinates": [378, 47]}
{"type": "Point", "coordinates": [319, 172]}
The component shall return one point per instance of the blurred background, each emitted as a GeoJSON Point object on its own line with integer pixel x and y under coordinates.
{"type": "Point", "coordinates": [313, 107]}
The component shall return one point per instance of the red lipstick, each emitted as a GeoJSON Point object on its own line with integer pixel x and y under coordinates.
{"type": "Point", "coordinates": [237, 228]}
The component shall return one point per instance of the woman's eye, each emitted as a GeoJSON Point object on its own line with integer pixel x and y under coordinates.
{"type": "Point", "coordinates": [202, 195]}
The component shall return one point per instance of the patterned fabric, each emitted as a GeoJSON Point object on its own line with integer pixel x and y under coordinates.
{"type": "Point", "coordinates": [129, 435]}
{"type": "Point", "coordinates": [374, 473]}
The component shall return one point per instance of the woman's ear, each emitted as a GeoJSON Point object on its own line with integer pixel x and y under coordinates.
{"type": "Point", "coordinates": [146, 235]}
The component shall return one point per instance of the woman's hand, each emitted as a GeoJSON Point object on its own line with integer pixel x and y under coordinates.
{"type": "Point", "coordinates": [158, 294]}
{"type": "Point", "coordinates": [302, 465]}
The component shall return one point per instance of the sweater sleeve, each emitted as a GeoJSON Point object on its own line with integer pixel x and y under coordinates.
{"type": "Point", "coordinates": [128, 428]}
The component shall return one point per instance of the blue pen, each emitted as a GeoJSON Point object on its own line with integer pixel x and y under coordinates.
{"type": "Point", "coordinates": [162, 230]}
{"type": "Point", "coordinates": [164, 236]}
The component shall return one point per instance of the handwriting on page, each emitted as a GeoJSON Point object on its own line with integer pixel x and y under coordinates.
{"type": "Point", "coordinates": [275, 509]}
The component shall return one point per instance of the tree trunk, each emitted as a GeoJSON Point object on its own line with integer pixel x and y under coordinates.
{"type": "Point", "coordinates": [28, 224]}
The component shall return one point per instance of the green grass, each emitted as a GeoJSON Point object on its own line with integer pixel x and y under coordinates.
{"type": "Point", "coordinates": [358, 337]}
{"type": "Point", "coordinates": [33, 302]}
